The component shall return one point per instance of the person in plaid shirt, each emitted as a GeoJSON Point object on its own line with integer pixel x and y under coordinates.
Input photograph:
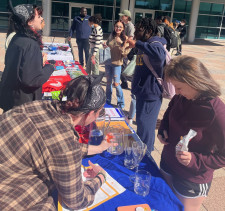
{"type": "Point", "coordinates": [40, 150]}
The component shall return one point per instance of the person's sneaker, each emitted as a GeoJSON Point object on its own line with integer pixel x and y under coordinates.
{"type": "Point", "coordinates": [124, 85]}
{"type": "Point", "coordinates": [130, 121]}
{"type": "Point", "coordinates": [177, 54]}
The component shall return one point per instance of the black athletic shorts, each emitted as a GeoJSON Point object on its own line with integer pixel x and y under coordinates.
{"type": "Point", "coordinates": [189, 189]}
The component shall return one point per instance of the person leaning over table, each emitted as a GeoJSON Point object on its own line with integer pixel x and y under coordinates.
{"type": "Point", "coordinates": [25, 70]}
{"type": "Point", "coordinates": [40, 150]}
{"type": "Point", "coordinates": [96, 41]}
{"type": "Point", "coordinates": [196, 106]}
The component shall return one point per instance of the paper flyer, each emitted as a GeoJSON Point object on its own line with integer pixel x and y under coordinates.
{"type": "Point", "coordinates": [115, 113]}
{"type": "Point", "coordinates": [108, 190]}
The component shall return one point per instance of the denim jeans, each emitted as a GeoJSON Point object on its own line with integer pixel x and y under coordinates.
{"type": "Point", "coordinates": [113, 73]}
{"type": "Point", "coordinates": [132, 110]}
{"type": "Point", "coordinates": [146, 118]}
{"type": "Point", "coordinates": [93, 68]}
{"type": "Point", "coordinates": [83, 46]}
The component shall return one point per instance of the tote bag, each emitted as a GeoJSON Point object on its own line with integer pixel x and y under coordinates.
{"type": "Point", "coordinates": [104, 55]}
{"type": "Point", "coordinates": [129, 70]}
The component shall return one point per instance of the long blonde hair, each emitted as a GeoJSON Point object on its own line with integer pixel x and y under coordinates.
{"type": "Point", "coordinates": [187, 69]}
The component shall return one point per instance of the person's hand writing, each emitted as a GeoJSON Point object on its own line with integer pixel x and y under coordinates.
{"type": "Point", "coordinates": [184, 157]}
{"type": "Point", "coordinates": [163, 139]}
{"type": "Point", "coordinates": [44, 55]}
{"type": "Point", "coordinates": [93, 170]}
{"type": "Point", "coordinates": [93, 59]}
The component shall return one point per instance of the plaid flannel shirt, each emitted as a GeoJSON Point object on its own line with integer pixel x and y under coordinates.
{"type": "Point", "coordinates": [39, 150]}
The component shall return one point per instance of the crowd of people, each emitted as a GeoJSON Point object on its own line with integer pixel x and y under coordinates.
{"type": "Point", "coordinates": [39, 145]}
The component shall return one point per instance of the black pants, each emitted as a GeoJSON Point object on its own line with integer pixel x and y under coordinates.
{"type": "Point", "coordinates": [83, 46]}
{"type": "Point", "coordinates": [124, 78]}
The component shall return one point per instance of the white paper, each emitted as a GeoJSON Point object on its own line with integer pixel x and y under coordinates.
{"type": "Point", "coordinates": [114, 115]}
{"type": "Point", "coordinates": [61, 72]}
{"type": "Point", "coordinates": [108, 190]}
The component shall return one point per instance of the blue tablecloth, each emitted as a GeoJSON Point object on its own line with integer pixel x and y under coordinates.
{"type": "Point", "coordinates": [160, 197]}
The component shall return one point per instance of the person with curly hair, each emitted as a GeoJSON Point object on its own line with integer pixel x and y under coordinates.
{"type": "Point", "coordinates": [25, 69]}
{"type": "Point", "coordinates": [96, 41]}
{"type": "Point", "coordinates": [145, 86]}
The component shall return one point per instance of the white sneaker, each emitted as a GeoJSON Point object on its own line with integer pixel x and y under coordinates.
{"type": "Point", "coordinates": [130, 121]}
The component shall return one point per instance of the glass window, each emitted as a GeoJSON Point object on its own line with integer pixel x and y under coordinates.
{"type": "Point", "coordinates": [4, 20]}
{"type": "Point", "coordinates": [107, 26]}
{"type": "Point", "coordinates": [106, 12]}
{"type": "Point", "coordinates": [165, 5]}
{"type": "Point", "coordinates": [215, 21]}
{"type": "Point", "coordinates": [138, 16]}
{"type": "Point", "coordinates": [182, 6]}
{"type": "Point", "coordinates": [203, 20]}
{"type": "Point", "coordinates": [223, 22]}
{"type": "Point", "coordinates": [201, 32]}
{"type": "Point", "coordinates": [60, 24]}
{"type": "Point", "coordinates": [222, 34]}
{"type": "Point", "coordinates": [180, 16]}
{"type": "Point", "coordinates": [60, 9]}
{"type": "Point", "coordinates": [3, 7]}
{"type": "Point", "coordinates": [204, 8]}
{"type": "Point", "coordinates": [159, 13]}
{"type": "Point", "coordinates": [213, 33]}
{"type": "Point", "coordinates": [206, 20]}
{"type": "Point", "coordinates": [99, 2]}
{"type": "Point", "coordinates": [210, 33]}
{"type": "Point", "coordinates": [117, 17]}
{"type": "Point", "coordinates": [217, 9]}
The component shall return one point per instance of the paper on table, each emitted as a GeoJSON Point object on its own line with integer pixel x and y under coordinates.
{"type": "Point", "coordinates": [108, 190]}
{"type": "Point", "coordinates": [115, 113]}
{"type": "Point", "coordinates": [61, 72]}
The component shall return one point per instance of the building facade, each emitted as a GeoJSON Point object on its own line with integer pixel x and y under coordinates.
{"type": "Point", "coordinates": [205, 18]}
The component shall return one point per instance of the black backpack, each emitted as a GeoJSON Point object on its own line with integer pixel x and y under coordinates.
{"type": "Point", "coordinates": [170, 37]}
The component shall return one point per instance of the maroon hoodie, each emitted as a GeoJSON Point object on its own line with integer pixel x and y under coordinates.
{"type": "Point", "coordinates": [207, 118]}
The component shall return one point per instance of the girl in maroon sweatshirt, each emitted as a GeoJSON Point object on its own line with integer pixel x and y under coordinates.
{"type": "Point", "coordinates": [196, 106]}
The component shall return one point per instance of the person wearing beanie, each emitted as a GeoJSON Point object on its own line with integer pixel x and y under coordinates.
{"type": "Point", "coordinates": [25, 69]}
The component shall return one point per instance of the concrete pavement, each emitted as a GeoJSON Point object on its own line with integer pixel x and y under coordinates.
{"type": "Point", "coordinates": [211, 53]}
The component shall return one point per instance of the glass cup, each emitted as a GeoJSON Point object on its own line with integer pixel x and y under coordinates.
{"type": "Point", "coordinates": [98, 128]}
{"type": "Point", "coordinates": [129, 158]}
{"type": "Point", "coordinates": [142, 182]}
{"type": "Point", "coordinates": [117, 134]}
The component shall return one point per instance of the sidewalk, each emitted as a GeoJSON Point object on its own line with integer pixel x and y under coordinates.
{"type": "Point", "coordinates": [212, 54]}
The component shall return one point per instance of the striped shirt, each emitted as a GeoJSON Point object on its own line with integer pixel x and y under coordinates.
{"type": "Point", "coordinates": [39, 151]}
{"type": "Point", "coordinates": [96, 39]}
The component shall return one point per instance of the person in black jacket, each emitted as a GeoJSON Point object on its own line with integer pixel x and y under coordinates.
{"type": "Point", "coordinates": [182, 29]}
{"type": "Point", "coordinates": [25, 69]}
{"type": "Point", "coordinates": [167, 32]}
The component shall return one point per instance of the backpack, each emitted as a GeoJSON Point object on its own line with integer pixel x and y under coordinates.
{"type": "Point", "coordinates": [170, 36]}
{"type": "Point", "coordinates": [168, 87]}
